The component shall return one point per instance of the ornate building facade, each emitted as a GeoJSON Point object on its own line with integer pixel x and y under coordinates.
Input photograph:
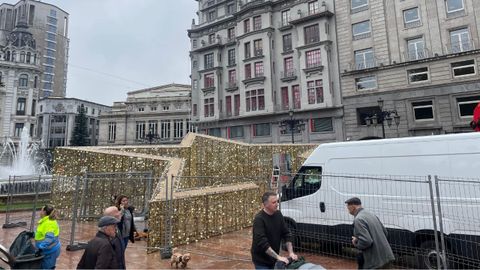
{"type": "Point", "coordinates": [263, 70]}
{"type": "Point", "coordinates": [157, 115]}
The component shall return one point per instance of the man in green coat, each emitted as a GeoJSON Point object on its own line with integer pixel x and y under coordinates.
{"type": "Point", "coordinates": [370, 237]}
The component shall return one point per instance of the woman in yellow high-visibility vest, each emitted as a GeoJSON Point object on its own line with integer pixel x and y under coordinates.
{"type": "Point", "coordinates": [46, 237]}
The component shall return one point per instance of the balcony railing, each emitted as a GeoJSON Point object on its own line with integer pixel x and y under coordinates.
{"type": "Point", "coordinates": [303, 16]}
{"type": "Point", "coordinates": [258, 52]}
{"type": "Point", "coordinates": [417, 55]}
{"type": "Point", "coordinates": [288, 75]}
{"type": "Point", "coordinates": [314, 65]}
{"type": "Point", "coordinates": [231, 85]}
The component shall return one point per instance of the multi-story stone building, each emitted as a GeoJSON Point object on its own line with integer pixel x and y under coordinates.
{"type": "Point", "coordinates": [420, 57]}
{"type": "Point", "coordinates": [154, 115]}
{"type": "Point", "coordinates": [49, 26]}
{"type": "Point", "coordinates": [56, 120]}
{"type": "Point", "coordinates": [255, 61]}
{"type": "Point", "coordinates": [19, 83]}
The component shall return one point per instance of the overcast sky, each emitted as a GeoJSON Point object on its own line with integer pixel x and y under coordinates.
{"type": "Point", "coordinates": [117, 46]}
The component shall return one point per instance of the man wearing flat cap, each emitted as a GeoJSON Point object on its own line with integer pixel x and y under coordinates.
{"type": "Point", "coordinates": [100, 253]}
{"type": "Point", "coordinates": [370, 237]}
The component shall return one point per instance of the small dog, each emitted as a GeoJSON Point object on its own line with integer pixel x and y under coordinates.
{"type": "Point", "coordinates": [178, 258]}
{"type": "Point", "coordinates": [139, 235]}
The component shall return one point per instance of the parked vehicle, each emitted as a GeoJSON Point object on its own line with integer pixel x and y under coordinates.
{"type": "Point", "coordinates": [313, 202]}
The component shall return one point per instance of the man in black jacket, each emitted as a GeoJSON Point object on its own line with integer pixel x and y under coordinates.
{"type": "Point", "coordinates": [117, 241]}
{"type": "Point", "coordinates": [99, 253]}
{"type": "Point", "coordinates": [269, 229]}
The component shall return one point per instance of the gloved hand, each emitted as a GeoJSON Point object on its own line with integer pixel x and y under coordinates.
{"type": "Point", "coordinates": [30, 234]}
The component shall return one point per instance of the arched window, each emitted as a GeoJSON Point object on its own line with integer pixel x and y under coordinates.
{"type": "Point", "coordinates": [34, 59]}
{"type": "Point", "coordinates": [23, 80]}
{"type": "Point", "coordinates": [22, 57]}
{"type": "Point", "coordinates": [14, 54]}
{"type": "Point", "coordinates": [7, 57]}
{"type": "Point", "coordinates": [35, 82]}
{"type": "Point", "coordinates": [28, 57]}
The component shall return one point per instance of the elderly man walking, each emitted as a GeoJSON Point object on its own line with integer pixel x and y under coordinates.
{"type": "Point", "coordinates": [100, 253]}
{"type": "Point", "coordinates": [370, 237]}
{"type": "Point", "coordinates": [117, 241]}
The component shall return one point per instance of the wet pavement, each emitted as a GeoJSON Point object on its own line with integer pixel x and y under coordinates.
{"type": "Point", "coordinates": [228, 251]}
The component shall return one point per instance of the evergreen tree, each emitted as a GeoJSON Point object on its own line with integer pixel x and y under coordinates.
{"type": "Point", "coordinates": [80, 132]}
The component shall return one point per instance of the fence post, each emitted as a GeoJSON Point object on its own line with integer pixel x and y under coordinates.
{"type": "Point", "coordinates": [434, 216]}
{"type": "Point", "coordinates": [8, 208]}
{"type": "Point", "coordinates": [166, 250]}
{"type": "Point", "coordinates": [440, 220]}
{"type": "Point", "coordinates": [78, 246]}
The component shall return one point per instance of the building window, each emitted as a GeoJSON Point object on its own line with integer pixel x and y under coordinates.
{"type": "Point", "coordinates": [321, 124]}
{"type": "Point", "coordinates": [230, 9]}
{"type": "Point", "coordinates": [23, 80]}
{"type": "Point", "coordinates": [208, 107]}
{"type": "Point", "coordinates": [216, 132]}
{"type": "Point", "coordinates": [21, 106]}
{"type": "Point", "coordinates": [411, 17]}
{"type": "Point", "coordinates": [231, 34]}
{"type": "Point", "coordinates": [463, 68]}
{"type": "Point", "coordinates": [258, 47]}
{"type": "Point", "coordinates": [153, 108]}
{"type": "Point", "coordinates": [361, 30]}
{"type": "Point", "coordinates": [232, 77]}
{"type": "Point", "coordinates": [194, 109]}
{"type": "Point", "coordinates": [141, 109]}
{"type": "Point", "coordinates": [312, 34]}
{"type": "Point", "coordinates": [313, 58]}
{"type": "Point", "coordinates": [454, 7]}
{"type": "Point", "coordinates": [315, 91]}
{"type": "Point", "coordinates": [228, 105]}
{"type": "Point", "coordinates": [423, 110]}
{"type": "Point", "coordinates": [365, 112]}
{"type": "Point", "coordinates": [359, 4]}
{"type": "Point", "coordinates": [364, 59]}
{"type": "Point", "coordinates": [211, 15]}
{"type": "Point", "coordinates": [313, 7]}
{"type": "Point", "coordinates": [34, 107]}
{"type": "Point", "coordinates": [153, 126]}
{"type": "Point", "coordinates": [366, 83]}
{"type": "Point", "coordinates": [258, 69]}
{"type": "Point", "coordinates": [285, 102]}
{"type": "Point", "coordinates": [248, 71]}
{"type": "Point", "coordinates": [140, 130]}
{"type": "Point", "coordinates": [209, 80]}
{"type": "Point", "coordinates": [417, 75]}
{"type": "Point", "coordinates": [257, 23]}
{"type": "Point", "coordinates": [112, 131]}
{"type": "Point", "coordinates": [261, 130]}
{"type": "Point", "coordinates": [466, 105]}
{"type": "Point", "coordinates": [236, 132]}
{"type": "Point", "coordinates": [18, 129]}
{"type": "Point", "coordinates": [255, 100]}
{"type": "Point", "coordinates": [297, 102]}
{"type": "Point", "coordinates": [416, 49]}
{"type": "Point", "coordinates": [288, 67]}
{"type": "Point", "coordinates": [247, 50]}
{"type": "Point", "coordinates": [178, 128]}
{"type": "Point", "coordinates": [287, 42]}
{"type": "Point", "coordinates": [208, 58]}
{"type": "Point", "coordinates": [246, 26]}
{"type": "Point", "coordinates": [211, 38]}
{"type": "Point", "coordinates": [194, 43]}
{"type": "Point", "coordinates": [165, 129]}
{"type": "Point", "coordinates": [236, 105]}
{"type": "Point", "coordinates": [285, 17]}
{"type": "Point", "coordinates": [460, 40]}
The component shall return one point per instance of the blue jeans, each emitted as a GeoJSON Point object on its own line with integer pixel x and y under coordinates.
{"type": "Point", "coordinates": [125, 243]}
{"type": "Point", "coordinates": [259, 266]}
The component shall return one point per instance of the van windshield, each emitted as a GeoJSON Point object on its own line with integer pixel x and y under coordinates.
{"type": "Point", "coordinates": [307, 181]}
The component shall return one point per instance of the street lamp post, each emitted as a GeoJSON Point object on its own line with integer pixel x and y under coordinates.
{"type": "Point", "coordinates": [382, 116]}
{"type": "Point", "coordinates": [292, 125]}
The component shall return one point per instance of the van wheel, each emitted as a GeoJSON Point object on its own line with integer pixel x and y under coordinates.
{"type": "Point", "coordinates": [427, 256]}
{"type": "Point", "coordinates": [295, 238]}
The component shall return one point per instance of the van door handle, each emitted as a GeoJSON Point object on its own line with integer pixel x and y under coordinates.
{"type": "Point", "coordinates": [322, 207]}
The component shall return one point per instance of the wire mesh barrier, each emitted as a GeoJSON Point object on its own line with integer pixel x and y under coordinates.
{"type": "Point", "coordinates": [458, 204]}
{"type": "Point", "coordinates": [21, 197]}
{"type": "Point", "coordinates": [414, 212]}
{"type": "Point", "coordinates": [91, 193]}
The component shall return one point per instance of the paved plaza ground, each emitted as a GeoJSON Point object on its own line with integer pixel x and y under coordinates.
{"type": "Point", "coordinates": [229, 251]}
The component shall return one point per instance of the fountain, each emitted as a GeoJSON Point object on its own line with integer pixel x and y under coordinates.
{"type": "Point", "coordinates": [23, 169]}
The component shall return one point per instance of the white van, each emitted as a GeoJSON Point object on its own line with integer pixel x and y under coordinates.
{"type": "Point", "coordinates": [390, 176]}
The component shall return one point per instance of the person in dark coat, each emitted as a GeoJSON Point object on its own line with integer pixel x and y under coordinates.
{"type": "Point", "coordinates": [100, 253]}
{"type": "Point", "coordinates": [126, 225]}
{"type": "Point", "coordinates": [269, 229]}
{"type": "Point", "coordinates": [117, 242]}
{"type": "Point", "coordinates": [370, 237]}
